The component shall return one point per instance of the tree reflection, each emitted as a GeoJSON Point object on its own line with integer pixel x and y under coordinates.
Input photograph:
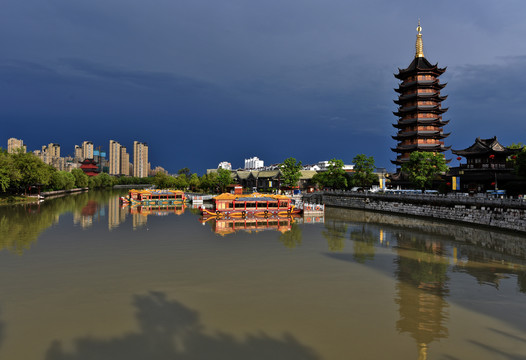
{"type": "Point", "coordinates": [335, 234]}
{"type": "Point", "coordinates": [292, 237]}
{"type": "Point", "coordinates": [364, 244]}
{"type": "Point", "coordinates": [21, 225]}
{"type": "Point", "coordinates": [170, 330]}
{"type": "Point", "coordinates": [422, 287]}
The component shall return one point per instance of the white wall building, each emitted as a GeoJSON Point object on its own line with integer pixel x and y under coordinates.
{"type": "Point", "coordinates": [225, 165]}
{"type": "Point", "coordinates": [254, 163]}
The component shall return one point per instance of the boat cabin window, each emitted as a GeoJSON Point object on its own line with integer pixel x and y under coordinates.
{"type": "Point", "coordinates": [272, 204]}
{"type": "Point", "coordinates": [262, 204]}
{"type": "Point", "coordinates": [251, 205]}
{"type": "Point", "coordinates": [283, 204]}
{"type": "Point", "coordinates": [239, 205]}
{"type": "Point", "coordinates": [178, 196]}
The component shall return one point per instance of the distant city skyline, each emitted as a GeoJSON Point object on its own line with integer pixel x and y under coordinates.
{"type": "Point", "coordinates": [308, 80]}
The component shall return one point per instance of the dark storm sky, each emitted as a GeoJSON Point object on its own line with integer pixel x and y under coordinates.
{"type": "Point", "coordinates": [205, 81]}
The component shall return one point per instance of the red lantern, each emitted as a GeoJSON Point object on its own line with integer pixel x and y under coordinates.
{"type": "Point", "coordinates": [459, 158]}
{"type": "Point", "coordinates": [514, 157]}
{"type": "Point", "coordinates": [448, 184]}
{"type": "Point", "coordinates": [492, 156]}
{"type": "Point", "coordinates": [493, 183]}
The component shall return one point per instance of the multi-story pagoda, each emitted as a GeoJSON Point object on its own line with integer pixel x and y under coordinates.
{"type": "Point", "coordinates": [420, 111]}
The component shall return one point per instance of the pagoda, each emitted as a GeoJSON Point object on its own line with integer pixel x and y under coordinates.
{"type": "Point", "coordinates": [89, 166]}
{"type": "Point", "coordinates": [420, 111]}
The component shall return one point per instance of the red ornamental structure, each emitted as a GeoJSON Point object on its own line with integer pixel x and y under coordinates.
{"type": "Point", "coordinates": [420, 112]}
{"type": "Point", "coordinates": [89, 166]}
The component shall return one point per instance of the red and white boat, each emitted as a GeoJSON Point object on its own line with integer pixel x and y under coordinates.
{"type": "Point", "coordinates": [251, 205]}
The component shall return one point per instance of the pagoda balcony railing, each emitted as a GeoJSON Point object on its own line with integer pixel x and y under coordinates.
{"type": "Point", "coordinates": [423, 82]}
{"type": "Point", "coordinates": [485, 166]}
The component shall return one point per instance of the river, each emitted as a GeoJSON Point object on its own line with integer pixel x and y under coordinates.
{"type": "Point", "coordinates": [82, 278]}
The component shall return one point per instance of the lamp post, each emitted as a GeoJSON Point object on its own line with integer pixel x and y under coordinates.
{"type": "Point", "coordinates": [491, 157]}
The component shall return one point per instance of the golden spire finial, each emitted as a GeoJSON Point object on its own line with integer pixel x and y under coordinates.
{"type": "Point", "coordinates": [419, 42]}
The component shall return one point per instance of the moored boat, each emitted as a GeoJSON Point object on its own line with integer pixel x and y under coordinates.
{"type": "Point", "coordinates": [251, 205]}
{"type": "Point", "coordinates": [154, 197]}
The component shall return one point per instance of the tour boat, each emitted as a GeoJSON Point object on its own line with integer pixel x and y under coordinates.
{"type": "Point", "coordinates": [154, 197]}
{"type": "Point", "coordinates": [250, 205]}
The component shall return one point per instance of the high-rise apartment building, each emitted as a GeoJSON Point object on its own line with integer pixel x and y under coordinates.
{"type": "Point", "coordinates": [53, 150]}
{"type": "Point", "coordinates": [125, 162]}
{"type": "Point", "coordinates": [140, 159]}
{"type": "Point", "coordinates": [87, 150]}
{"type": "Point", "coordinates": [254, 163]}
{"type": "Point", "coordinates": [78, 153]}
{"type": "Point", "coordinates": [115, 158]}
{"type": "Point", "coordinates": [14, 144]}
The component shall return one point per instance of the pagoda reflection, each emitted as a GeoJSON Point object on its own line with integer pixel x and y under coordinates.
{"type": "Point", "coordinates": [421, 290]}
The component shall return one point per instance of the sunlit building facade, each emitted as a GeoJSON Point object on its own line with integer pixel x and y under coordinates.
{"type": "Point", "coordinates": [140, 159]}
{"type": "Point", "coordinates": [14, 144]}
{"type": "Point", "coordinates": [115, 158]}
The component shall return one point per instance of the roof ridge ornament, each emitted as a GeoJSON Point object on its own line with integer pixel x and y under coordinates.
{"type": "Point", "coordinates": [419, 43]}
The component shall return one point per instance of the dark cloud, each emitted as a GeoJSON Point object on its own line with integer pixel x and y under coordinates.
{"type": "Point", "coordinates": [274, 79]}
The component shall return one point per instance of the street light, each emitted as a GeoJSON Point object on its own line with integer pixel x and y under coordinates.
{"type": "Point", "coordinates": [491, 157]}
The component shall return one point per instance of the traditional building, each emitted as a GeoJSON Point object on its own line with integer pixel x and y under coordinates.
{"type": "Point", "coordinates": [90, 167]}
{"type": "Point", "coordinates": [420, 112]}
{"type": "Point", "coordinates": [487, 165]}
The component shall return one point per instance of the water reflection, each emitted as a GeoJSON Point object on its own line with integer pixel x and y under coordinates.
{"type": "Point", "coordinates": [364, 244]}
{"type": "Point", "coordinates": [21, 225]}
{"type": "Point", "coordinates": [334, 233]}
{"type": "Point", "coordinates": [421, 269]}
{"type": "Point", "coordinates": [140, 213]}
{"type": "Point", "coordinates": [291, 238]}
{"type": "Point", "coordinates": [2, 331]}
{"type": "Point", "coordinates": [226, 225]}
{"type": "Point", "coordinates": [170, 330]}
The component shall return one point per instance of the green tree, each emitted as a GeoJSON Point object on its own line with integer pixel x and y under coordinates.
{"type": "Point", "coordinates": [181, 182]}
{"type": "Point", "coordinates": [58, 180]}
{"type": "Point", "coordinates": [520, 163]}
{"type": "Point", "coordinates": [32, 170]}
{"type": "Point", "coordinates": [335, 177]}
{"type": "Point", "coordinates": [363, 174]}
{"type": "Point", "coordinates": [423, 167]}
{"type": "Point", "coordinates": [208, 182]}
{"type": "Point", "coordinates": [81, 179]}
{"type": "Point", "coordinates": [194, 182]}
{"type": "Point", "coordinates": [102, 180]}
{"type": "Point", "coordinates": [291, 171]}
{"type": "Point", "coordinates": [185, 171]}
{"type": "Point", "coordinates": [163, 181]}
{"type": "Point", "coordinates": [224, 178]}
{"type": "Point", "coordinates": [9, 173]}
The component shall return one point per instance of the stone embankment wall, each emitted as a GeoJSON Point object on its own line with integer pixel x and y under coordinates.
{"type": "Point", "coordinates": [507, 214]}
{"type": "Point", "coordinates": [62, 192]}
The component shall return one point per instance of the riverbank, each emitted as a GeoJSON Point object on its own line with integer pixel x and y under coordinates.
{"type": "Point", "coordinates": [507, 214]}
{"type": "Point", "coordinates": [16, 199]}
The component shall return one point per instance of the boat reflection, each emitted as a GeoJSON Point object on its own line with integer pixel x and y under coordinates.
{"type": "Point", "coordinates": [229, 225]}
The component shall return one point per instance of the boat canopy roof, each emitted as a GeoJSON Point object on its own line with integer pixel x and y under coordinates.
{"type": "Point", "coordinates": [251, 197]}
{"type": "Point", "coordinates": [157, 192]}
